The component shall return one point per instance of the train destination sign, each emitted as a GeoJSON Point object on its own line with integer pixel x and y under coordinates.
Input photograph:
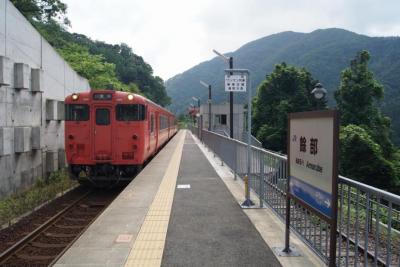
{"type": "Point", "coordinates": [313, 160]}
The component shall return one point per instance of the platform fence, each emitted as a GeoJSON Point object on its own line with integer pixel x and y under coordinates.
{"type": "Point", "coordinates": [368, 218]}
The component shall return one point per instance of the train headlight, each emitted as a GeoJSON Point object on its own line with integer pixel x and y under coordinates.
{"type": "Point", "coordinates": [130, 97]}
{"type": "Point", "coordinates": [75, 97]}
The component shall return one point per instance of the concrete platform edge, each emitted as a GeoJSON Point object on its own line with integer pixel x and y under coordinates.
{"type": "Point", "coordinates": [99, 245]}
{"type": "Point", "coordinates": [149, 245]}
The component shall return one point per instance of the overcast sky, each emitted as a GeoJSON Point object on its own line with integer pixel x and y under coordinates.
{"type": "Point", "coordinates": [174, 35]}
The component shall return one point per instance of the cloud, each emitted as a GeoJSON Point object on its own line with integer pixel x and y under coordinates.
{"type": "Point", "coordinates": [175, 35]}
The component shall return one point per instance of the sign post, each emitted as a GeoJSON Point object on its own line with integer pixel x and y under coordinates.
{"type": "Point", "coordinates": [238, 80]}
{"type": "Point", "coordinates": [313, 169]}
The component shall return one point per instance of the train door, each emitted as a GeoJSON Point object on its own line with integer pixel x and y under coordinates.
{"type": "Point", "coordinates": [157, 129]}
{"type": "Point", "coordinates": [152, 130]}
{"type": "Point", "coordinates": [169, 126]}
{"type": "Point", "coordinates": [148, 137]}
{"type": "Point", "coordinates": [102, 133]}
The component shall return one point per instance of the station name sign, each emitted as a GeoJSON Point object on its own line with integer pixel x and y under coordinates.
{"type": "Point", "coordinates": [313, 142]}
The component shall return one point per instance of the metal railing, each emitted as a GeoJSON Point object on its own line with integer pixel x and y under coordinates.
{"type": "Point", "coordinates": [195, 129]}
{"type": "Point", "coordinates": [368, 218]}
{"type": "Point", "coordinates": [254, 140]}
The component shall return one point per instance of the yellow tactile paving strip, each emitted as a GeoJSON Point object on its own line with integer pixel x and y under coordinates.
{"type": "Point", "coordinates": [149, 244]}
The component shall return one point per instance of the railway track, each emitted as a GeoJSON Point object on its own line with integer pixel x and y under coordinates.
{"type": "Point", "coordinates": [44, 245]}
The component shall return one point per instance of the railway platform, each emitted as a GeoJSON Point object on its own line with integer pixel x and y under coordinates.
{"type": "Point", "coordinates": [184, 209]}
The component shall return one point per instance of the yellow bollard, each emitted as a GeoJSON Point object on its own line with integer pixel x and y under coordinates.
{"type": "Point", "coordinates": [247, 202]}
{"type": "Point", "coordinates": [246, 186]}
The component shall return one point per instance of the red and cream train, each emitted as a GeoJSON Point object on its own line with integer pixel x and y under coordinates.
{"type": "Point", "coordinates": [109, 135]}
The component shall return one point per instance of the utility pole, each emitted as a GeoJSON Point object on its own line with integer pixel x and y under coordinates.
{"type": "Point", "coordinates": [231, 102]}
{"type": "Point", "coordinates": [230, 62]}
{"type": "Point", "coordinates": [198, 106]}
{"type": "Point", "coordinates": [209, 103]}
{"type": "Point", "coordinates": [209, 108]}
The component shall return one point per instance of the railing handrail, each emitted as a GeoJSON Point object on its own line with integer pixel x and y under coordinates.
{"type": "Point", "coordinates": [367, 188]}
{"type": "Point", "coordinates": [370, 189]}
{"type": "Point", "coordinates": [253, 138]}
{"type": "Point", "coordinates": [368, 217]}
{"type": "Point", "coordinates": [284, 157]}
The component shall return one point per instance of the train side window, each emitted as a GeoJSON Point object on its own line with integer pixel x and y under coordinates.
{"type": "Point", "coordinates": [152, 123]}
{"type": "Point", "coordinates": [127, 112]}
{"type": "Point", "coordinates": [102, 116]}
{"type": "Point", "coordinates": [163, 122]}
{"type": "Point", "coordinates": [76, 112]}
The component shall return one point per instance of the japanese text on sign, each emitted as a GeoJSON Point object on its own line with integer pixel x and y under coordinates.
{"type": "Point", "coordinates": [313, 145]}
{"type": "Point", "coordinates": [235, 83]}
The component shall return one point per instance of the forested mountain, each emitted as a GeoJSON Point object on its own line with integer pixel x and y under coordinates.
{"type": "Point", "coordinates": [131, 71]}
{"type": "Point", "coordinates": [324, 53]}
{"type": "Point", "coordinates": [101, 63]}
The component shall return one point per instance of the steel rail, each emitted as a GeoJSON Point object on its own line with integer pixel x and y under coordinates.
{"type": "Point", "coordinates": [26, 239]}
{"type": "Point", "coordinates": [370, 255]}
{"type": "Point", "coordinates": [54, 261]}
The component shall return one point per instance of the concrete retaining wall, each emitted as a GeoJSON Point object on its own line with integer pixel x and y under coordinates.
{"type": "Point", "coordinates": [33, 80]}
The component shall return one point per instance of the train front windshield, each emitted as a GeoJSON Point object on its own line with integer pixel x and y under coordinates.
{"type": "Point", "coordinates": [130, 112]}
{"type": "Point", "coordinates": [76, 112]}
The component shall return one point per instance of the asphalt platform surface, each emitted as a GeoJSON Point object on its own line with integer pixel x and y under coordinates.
{"type": "Point", "coordinates": [207, 226]}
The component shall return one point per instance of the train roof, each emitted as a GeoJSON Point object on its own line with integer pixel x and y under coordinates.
{"type": "Point", "coordinates": [118, 94]}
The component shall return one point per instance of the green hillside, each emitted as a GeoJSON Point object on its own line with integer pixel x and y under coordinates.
{"type": "Point", "coordinates": [103, 64]}
{"type": "Point", "coordinates": [325, 53]}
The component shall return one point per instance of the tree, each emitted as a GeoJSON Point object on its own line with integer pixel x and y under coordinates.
{"type": "Point", "coordinates": [366, 150]}
{"type": "Point", "coordinates": [43, 10]}
{"type": "Point", "coordinates": [103, 64]}
{"type": "Point", "coordinates": [287, 89]}
{"type": "Point", "coordinates": [93, 67]}
{"type": "Point", "coordinates": [363, 159]}
{"type": "Point", "coordinates": [357, 100]}
{"type": "Point", "coordinates": [130, 68]}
